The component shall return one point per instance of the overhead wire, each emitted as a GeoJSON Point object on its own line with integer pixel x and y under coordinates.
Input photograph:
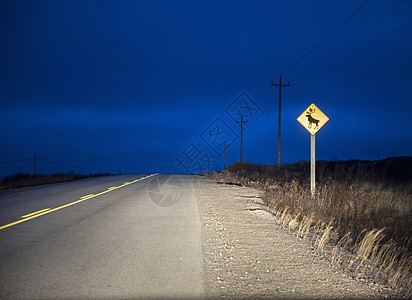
{"type": "Point", "coordinates": [359, 53]}
{"type": "Point", "coordinates": [14, 161]}
{"type": "Point", "coordinates": [55, 163]}
{"type": "Point", "coordinates": [340, 47]}
{"type": "Point", "coordinates": [350, 17]}
{"type": "Point", "coordinates": [75, 167]}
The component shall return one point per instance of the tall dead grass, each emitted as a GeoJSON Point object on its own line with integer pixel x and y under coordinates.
{"type": "Point", "coordinates": [359, 215]}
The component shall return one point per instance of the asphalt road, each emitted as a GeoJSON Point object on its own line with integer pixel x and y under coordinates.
{"type": "Point", "coordinates": [101, 238]}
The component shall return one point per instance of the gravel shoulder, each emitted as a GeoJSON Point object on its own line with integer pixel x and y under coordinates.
{"type": "Point", "coordinates": [247, 255]}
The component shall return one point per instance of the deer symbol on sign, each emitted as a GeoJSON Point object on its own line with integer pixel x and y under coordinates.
{"type": "Point", "coordinates": [312, 120]}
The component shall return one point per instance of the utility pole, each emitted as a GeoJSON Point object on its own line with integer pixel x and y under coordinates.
{"type": "Point", "coordinates": [34, 161]}
{"type": "Point", "coordinates": [224, 153]}
{"type": "Point", "coordinates": [279, 85]}
{"type": "Point", "coordinates": [241, 137]}
{"type": "Point", "coordinates": [215, 163]}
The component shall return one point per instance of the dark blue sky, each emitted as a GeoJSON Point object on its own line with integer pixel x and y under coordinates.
{"type": "Point", "coordinates": [155, 86]}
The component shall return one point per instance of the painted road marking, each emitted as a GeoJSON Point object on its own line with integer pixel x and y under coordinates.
{"type": "Point", "coordinates": [34, 213]}
{"type": "Point", "coordinates": [84, 198]}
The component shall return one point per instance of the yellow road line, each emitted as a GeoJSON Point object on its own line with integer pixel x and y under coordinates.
{"type": "Point", "coordinates": [34, 213]}
{"type": "Point", "coordinates": [84, 198]}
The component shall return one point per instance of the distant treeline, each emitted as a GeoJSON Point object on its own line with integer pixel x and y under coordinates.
{"type": "Point", "coordinates": [389, 170]}
{"type": "Point", "coordinates": [26, 179]}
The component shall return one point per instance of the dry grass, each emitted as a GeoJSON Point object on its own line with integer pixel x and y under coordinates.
{"type": "Point", "coordinates": [360, 215]}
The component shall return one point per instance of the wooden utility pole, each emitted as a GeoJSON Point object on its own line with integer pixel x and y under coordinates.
{"type": "Point", "coordinates": [241, 137]}
{"type": "Point", "coordinates": [224, 153]}
{"type": "Point", "coordinates": [216, 164]}
{"type": "Point", "coordinates": [279, 85]}
{"type": "Point", "coordinates": [34, 162]}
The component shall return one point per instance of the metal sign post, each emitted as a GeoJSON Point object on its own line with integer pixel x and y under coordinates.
{"type": "Point", "coordinates": [312, 164]}
{"type": "Point", "coordinates": [312, 119]}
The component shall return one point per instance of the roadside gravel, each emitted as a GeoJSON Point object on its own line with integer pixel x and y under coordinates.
{"type": "Point", "coordinates": [247, 255]}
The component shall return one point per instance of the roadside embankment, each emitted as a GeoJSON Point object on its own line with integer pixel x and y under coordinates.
{"type": "Point", "coordinates": [248, 255]}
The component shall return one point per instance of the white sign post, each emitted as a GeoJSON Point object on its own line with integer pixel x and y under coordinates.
{"type": "Point", "coordinates": [312, 119]}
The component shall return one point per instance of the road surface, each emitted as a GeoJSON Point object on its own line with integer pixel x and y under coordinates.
{"type": "Point", "coordinates": [105, 240]}
{"type": "Point", "coordinates": [157, 236]}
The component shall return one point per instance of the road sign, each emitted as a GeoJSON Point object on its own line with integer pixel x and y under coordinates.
{"type": "Point", "coordinates": [313, 119]}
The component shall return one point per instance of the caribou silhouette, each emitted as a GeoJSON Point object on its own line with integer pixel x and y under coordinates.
{"type": "Point", "coordinates": [311, 119]}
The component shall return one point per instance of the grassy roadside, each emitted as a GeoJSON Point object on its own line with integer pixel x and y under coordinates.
{"type": "Point", "coordinates": [361, 213]}
{"type": "Point", "coordinates": [25, 179]}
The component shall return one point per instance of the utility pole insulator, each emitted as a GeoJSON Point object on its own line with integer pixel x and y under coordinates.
{"type": "Point", "coordinates": [280, 85]}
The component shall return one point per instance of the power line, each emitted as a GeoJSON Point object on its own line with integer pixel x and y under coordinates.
{"type": "Point", "coordinates": [52, 162]}
{"type": "Point", "coordinates": [14, 161]}
{"type": "Point", "coordinates": [351, 39]}
{"type": "Point", "coordinates": [69, 166]}
{"type": "Point", "coordinates": [359, 53]}
{"type": "Point", "coordinates": [350, 17]}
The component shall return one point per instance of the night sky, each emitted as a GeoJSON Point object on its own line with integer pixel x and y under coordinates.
{"type": "Point", "coordinates": [156, 86]}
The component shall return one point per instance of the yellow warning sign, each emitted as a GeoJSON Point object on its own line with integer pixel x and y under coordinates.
{"type": "Point", "coordinates": [313, 119]}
